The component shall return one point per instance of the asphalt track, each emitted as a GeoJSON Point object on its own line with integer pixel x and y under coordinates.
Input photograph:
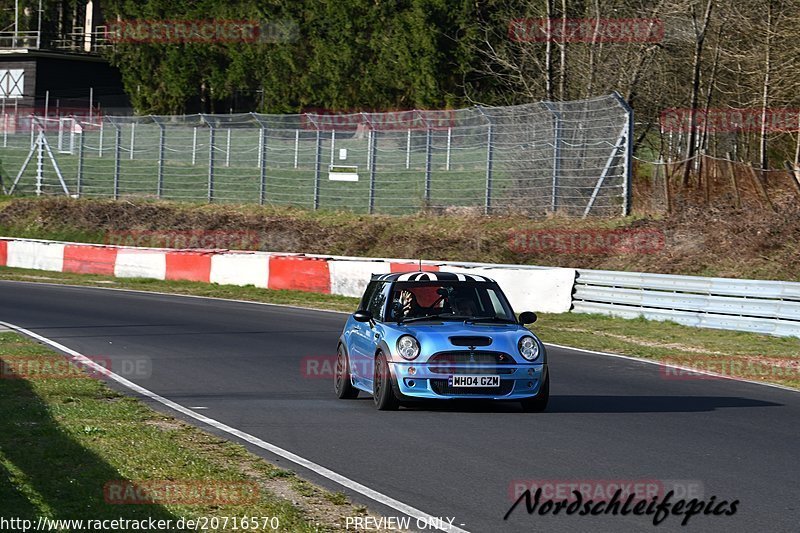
{"type": "Point", "coordinates": [609, 418]}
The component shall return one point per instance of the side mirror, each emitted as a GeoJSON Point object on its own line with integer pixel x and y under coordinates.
{"type": "Point", "coordinates": [527, 317]}
{"type": "Point", "coordinates": [362, 316]}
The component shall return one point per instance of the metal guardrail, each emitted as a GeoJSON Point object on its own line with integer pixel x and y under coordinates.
{"type": "Point", "coordinates": [771, 307]}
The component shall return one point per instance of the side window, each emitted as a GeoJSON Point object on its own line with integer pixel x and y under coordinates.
{"type": "Point", "coordinates": [368, 293]}
{"type": "Point", "coordinates": [377, 300]}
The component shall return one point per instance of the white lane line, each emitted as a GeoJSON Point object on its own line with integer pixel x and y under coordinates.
{"type": "Point", "coordinates": [678, 367]}
{"type": "Point", "coordinates": [593, 352]}
{"type": "Point", "coordinates": [289, 456]}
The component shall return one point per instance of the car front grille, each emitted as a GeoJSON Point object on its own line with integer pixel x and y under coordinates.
{"type": "Point", "coordinates": [473, 363]}
{"type": "Point", "coordinates": [443, 387]}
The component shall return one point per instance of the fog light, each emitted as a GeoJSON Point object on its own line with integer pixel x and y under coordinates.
{"type": "Point", "coordinates": [530, 384]}
{"type": "Point", "coordinates": [530, 372]}
{"type": "Point", "coordinates": [412, 371]}
{"type": "Point", "coordinates": [411, 382]}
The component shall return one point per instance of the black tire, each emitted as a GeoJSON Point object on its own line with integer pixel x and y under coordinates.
{"type": "Point", "coordinates": [341, 378]}
{"type": "Point", "coordinates": [538, 403]}
{"type": "Point", "coordinates": [382, 390]}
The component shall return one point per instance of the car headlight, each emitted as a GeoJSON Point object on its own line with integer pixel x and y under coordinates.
{"type": "Point", "coordinates": [408, 347]}
{"type": "Point", "coordinates": [528, 348]}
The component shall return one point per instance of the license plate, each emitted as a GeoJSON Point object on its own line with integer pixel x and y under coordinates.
{"type": "Point", "coordinates": [474, 381]}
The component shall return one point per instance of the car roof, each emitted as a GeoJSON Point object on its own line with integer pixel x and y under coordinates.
{"type": "Point", "coordinates": [431, 276]}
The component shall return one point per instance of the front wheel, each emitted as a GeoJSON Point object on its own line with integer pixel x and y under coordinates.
{"type": "Point", "coordinates": [341, 380]}
{"type": "Point", "coordinates": [382, 391]}
{"type": "Point", "coordinates": [538, 403]}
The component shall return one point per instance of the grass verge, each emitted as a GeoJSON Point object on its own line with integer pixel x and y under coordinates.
{"type": "Point", "coordinates": [66, 440]}
{"type": "Point", "coordinates": [744, 355]}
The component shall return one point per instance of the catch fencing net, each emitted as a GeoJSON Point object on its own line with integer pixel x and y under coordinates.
{"type": "Point", "coordinates": [570, 158]}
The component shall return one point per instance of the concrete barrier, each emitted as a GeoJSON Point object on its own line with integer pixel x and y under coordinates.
{"type": "Point", "coordinates": [528, 288]}
{"type": "Point", "coordinates": [37, 255]}
{"type": "Point", "coordinates": [542, 290]}
{"type": "Point", "coordinates": [240, 269]}
{"type": "Point", "coordinates": [350, 278]}
{"type": "Point", "coordinates": [141, 263]}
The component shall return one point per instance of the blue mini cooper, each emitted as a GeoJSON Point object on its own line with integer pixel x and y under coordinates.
{"type": "Point", "coordinates": [440, 335]}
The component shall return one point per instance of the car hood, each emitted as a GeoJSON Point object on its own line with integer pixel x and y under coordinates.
{"type": "Point", "coordinates": [458, 328]}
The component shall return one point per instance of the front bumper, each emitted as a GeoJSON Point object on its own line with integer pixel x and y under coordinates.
{"type": "Point", "coordinates": [421, 381]}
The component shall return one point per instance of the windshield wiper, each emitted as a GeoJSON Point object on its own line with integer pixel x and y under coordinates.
{"type": "Point", "coordinates": [442, 316]}
{"type": "Point", "coordinates": [417, 318]}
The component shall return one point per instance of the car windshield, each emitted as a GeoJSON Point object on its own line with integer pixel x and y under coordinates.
{"type": "Point", "coordinates": [441, 300]}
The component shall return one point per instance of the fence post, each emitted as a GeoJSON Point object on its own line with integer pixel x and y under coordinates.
{"type": "Point", "coordinates": [262, 189]}
{"type": "Point", "coordinates": [39, 163]}
{"type": "Point", "coordinates": [428, 143]}
{"type": "Point", "coordinates": [408, 149]}
{"type": "Point", "coordinates": [317, 165]}
{"type": "Point", "coordinates": [556, 155]}
{"type": "Point", "coordinates": [296, 146]}
{"type": "Point", "coordinates": [373, 142]}
{"type": "Point", "coordinates": [117, 148]}
{"type": "Point", "coordinates": [79, 178]}
{"type": "Point", "coordinates": [489, 164]}
{"type": "Point", "coordinates": [161, 142]}
{"type": "Point", "coordinates": [449, 135]}
{"type": "Point", "coordinates": [133, 138]}
{"type": "Point", "coordinates": [194, 145]}
{"type": "Point", "coordinates": [627, 155]}
{"type": "Point", "coordinates": [5, 122]}
{"type": "Point", "coordinates": [211, 135]}
{"type": "Point", "coordinates": [228, 149]}
{"type": "Point", "coordinates": [100, 148]}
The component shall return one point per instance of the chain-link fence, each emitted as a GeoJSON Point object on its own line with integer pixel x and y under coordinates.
{"type": "Point", "coordinates": [567, 157]}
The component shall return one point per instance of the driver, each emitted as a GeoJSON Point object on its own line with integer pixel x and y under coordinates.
{"type": "Point", "coordinates": [462, 302]}
{"type": "Point", "coordinates": [406, 305]}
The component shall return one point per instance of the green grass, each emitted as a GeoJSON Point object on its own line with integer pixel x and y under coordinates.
{"type": "Point", "coordinates": [747, 355]}
{"type": "Point", "coordinates": [63, 438]}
